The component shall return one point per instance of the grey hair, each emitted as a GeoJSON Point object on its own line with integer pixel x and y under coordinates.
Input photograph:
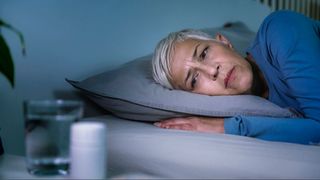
{"type": "Point", "coordinates": [162, 54]}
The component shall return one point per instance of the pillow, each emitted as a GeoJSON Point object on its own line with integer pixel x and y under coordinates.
{"type": "Point", "coordinates": [130, 92]}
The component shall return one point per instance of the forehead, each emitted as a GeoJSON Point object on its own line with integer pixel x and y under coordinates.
{"type": "Point", "coordinates": [182, 49]}
{"type": "Point", "coordinates": [182, 52]}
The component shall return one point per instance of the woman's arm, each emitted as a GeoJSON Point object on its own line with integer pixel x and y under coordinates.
{"type": "Point", "coordinates": [295, 130]}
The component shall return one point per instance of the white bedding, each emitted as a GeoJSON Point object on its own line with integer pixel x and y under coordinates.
{"type": "Point", "coordinates": [137, 147]}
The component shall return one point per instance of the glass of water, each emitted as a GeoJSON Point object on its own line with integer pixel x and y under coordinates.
{"type": "Point", "coordinates": [47, 132]}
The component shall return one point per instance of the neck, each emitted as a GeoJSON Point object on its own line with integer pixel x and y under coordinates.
{"type": "Point", "coordinates": [259, 84]}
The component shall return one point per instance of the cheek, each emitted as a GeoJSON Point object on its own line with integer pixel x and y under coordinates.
{"type": "Point", "coordinates": [247, 81]}
{"type": "Point", "coordinates": [243, 82]}
{"type": "Point", "coordinates": [209, 87]}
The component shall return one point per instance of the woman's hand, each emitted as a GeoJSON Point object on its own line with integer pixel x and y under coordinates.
{"type": "Point", "coordinates": [194, 123]}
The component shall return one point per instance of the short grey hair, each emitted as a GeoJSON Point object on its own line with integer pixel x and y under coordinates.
{"type": "Point", "coordinates": [162, 55]}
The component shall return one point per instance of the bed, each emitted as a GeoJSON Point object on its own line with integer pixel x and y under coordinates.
{"type": "Point", "coordinates": [141, 150]}
{"type": "Point", "coordinates": [138, 149]}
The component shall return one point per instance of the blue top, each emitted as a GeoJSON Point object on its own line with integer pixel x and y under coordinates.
{"type": "Point", "coordinates": [287, 50]}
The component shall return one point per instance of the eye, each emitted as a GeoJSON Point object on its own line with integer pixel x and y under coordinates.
{"type": "Point", "coordinates": [194, 80]}
{"type": "Point", "coordinates": [203, 54]}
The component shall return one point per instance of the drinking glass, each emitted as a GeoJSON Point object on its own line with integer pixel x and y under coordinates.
{"type": "Point", "coordinates": [47, 134]}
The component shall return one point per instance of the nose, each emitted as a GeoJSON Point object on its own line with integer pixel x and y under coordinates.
{"type": "Point", "coordinates": [210, 70]}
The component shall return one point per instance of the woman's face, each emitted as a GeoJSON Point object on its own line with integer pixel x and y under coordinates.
{"type": "Point", "coordinates": [210, 67]}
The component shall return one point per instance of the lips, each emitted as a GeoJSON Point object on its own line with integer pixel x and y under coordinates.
{"type": "Point", "coordinates": [227, 79]}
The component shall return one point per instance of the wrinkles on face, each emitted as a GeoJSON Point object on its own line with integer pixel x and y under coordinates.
{"type": "Point", "coordinates": [202, 66]}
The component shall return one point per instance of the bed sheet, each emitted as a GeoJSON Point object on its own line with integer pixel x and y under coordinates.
{"type": "Point", "coordinates": [139, 147]}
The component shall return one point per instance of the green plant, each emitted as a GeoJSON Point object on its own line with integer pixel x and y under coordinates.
{"type": "Point", "coordinates": [6, 62]}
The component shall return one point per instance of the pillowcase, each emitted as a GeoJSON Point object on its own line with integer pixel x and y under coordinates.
{"type": "Point", "coordinates": [130, 92]}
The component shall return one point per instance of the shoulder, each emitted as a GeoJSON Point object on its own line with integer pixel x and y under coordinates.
{"type": "Point", "coordinates": [286, 24]}
{"type": "Point", "coordinates": [282, 31]}
{"type": "Point", "coordinates": [285, 18]}
{"type": "Point", "coordinates": [283, 23]}
{"type": "Point", "coordinates": [285, 34]}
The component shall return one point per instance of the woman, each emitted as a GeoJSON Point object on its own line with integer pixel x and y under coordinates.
{"type": "Point", "coordinates": [282, 65]}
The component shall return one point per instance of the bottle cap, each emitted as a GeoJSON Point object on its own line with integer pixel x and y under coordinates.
{"type": "Point", "coordinates": [88, 133]}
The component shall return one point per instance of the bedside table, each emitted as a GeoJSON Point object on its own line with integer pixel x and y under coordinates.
{"type": "Point", "coordinates": [14, 167]}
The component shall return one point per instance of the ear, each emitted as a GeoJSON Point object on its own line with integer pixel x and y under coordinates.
{"type": "Point", "coordinates": [224, 40]}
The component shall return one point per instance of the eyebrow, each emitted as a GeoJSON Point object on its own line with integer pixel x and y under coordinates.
{"type": "Point", "coordinates": [189, 71]}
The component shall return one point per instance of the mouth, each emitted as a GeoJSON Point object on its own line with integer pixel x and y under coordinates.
{"type": "Point", "coordinates": [227, 78]}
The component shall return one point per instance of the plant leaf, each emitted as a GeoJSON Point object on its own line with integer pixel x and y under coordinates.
{"type": "Point", "coordinates": [6, 62]}
{"type": "Point", "coordinates": [6, 25]}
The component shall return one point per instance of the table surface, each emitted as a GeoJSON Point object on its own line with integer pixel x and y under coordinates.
{"type": "Point", "coordinates": [14, 167]}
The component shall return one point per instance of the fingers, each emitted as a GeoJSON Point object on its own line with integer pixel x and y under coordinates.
{"type": "Point", "coordinates": [170, 122]}
{"type": "Point", "coordinates": [176, 126]}
{"type": "Point", "coordinates": [176, 123]}
{"type": "Point", "coordinates": [200, 124]}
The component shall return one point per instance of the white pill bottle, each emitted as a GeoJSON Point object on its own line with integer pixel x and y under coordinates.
{"type": "Point", "coordinates": [88, 150]}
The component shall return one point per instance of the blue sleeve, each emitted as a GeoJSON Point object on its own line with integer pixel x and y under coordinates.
{"type": "Point", "coordinates": [294, 130]}
{"type": "Point", "coordinates": [290, 42]}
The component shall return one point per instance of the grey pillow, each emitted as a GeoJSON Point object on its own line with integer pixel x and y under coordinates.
{"type": "Point", "coordinates": [130, 92]}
